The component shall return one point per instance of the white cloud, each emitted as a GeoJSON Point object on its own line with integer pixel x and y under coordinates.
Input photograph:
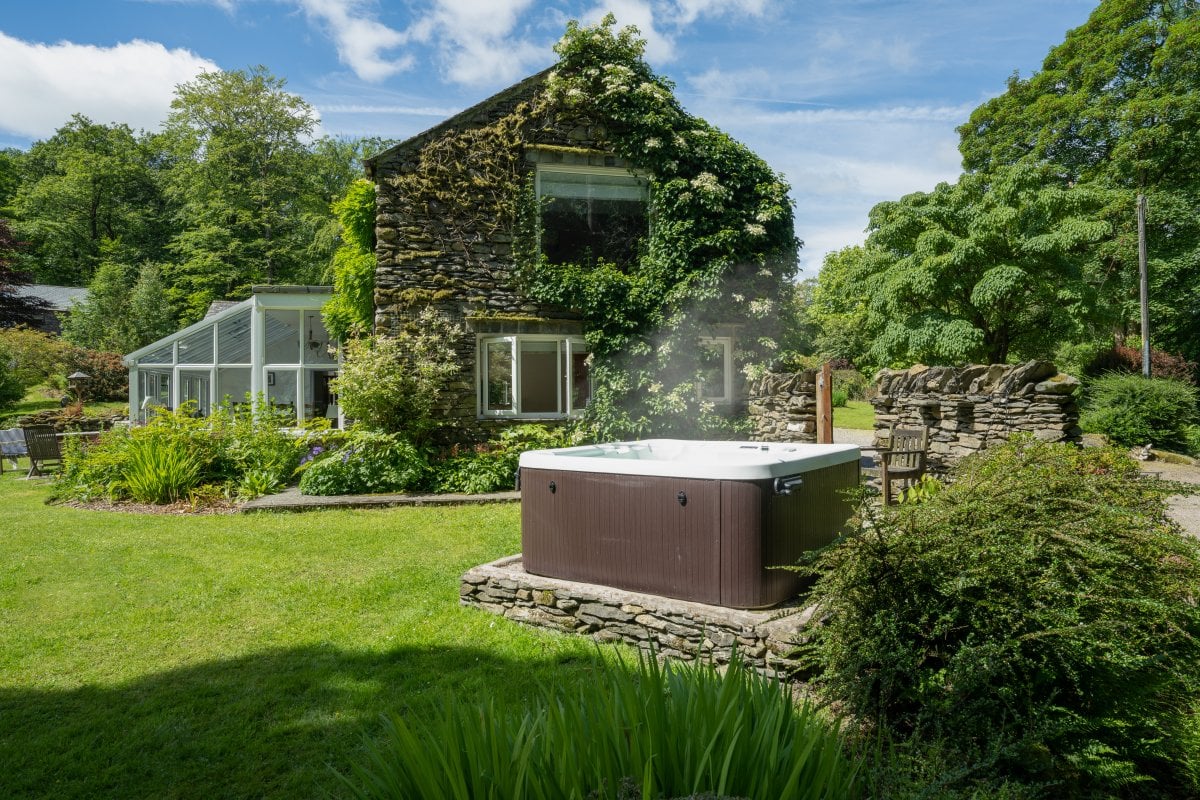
{"type": "Point", "coordinates": [360, 40]}
{"type": "Point", "coordinates": [475, 40]}
{"type": "Point", "coordinates": [41, 85]}
{"type": "Point", "coordinates": [685, 12]}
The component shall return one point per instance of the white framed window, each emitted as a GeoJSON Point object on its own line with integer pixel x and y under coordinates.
{"type": "Point", "coordinates": [591, 213]}
{"type": "Point", "coordinates": [532, 376]}
{"type": "Point", "coordinates": [715, 381]}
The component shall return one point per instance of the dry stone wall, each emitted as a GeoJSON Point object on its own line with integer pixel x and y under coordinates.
{"type": "Point", "coordinates": [783, 407]}
{"type": "Point", "coordinates": [969, 408]}
{"type": "Point", "coordinates": [679, 629]}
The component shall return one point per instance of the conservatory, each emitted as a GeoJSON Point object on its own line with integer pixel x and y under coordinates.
{"type": "Point", "coordinates": [272, 345]}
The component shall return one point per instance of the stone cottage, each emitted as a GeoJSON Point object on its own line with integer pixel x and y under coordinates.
{"type": "Point", "coordinates": [453, 206]}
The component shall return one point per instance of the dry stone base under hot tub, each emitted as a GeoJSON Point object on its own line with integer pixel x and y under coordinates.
{"type": "Point", "coordinates": [676, 628]}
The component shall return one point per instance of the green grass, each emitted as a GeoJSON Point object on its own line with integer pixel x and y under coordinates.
{"type": "Point", "coordinates": [856, 415]}
{"type": "Point", "coordinates": [235, 656]}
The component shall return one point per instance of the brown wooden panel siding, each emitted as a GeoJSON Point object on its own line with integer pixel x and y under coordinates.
{"type": "Point", "coordinates": [630, 531]}
{"type": "Point", "coordinates": [626, 531]}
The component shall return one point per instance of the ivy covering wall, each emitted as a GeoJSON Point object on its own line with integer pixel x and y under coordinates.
{"type": "Point", "coordinates": [721, 247]}
{"type": "Point", "coordinates": [718, 258]}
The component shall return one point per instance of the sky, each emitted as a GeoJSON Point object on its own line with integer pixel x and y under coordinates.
{"type": "Point", "coordinates": [853, 101]}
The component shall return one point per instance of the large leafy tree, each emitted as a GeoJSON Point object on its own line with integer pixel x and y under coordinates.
{"type": "Point", "coordinates": [244, 186]}
{"type": "Point", "coordinates": [1118, 104]}
{"type": "Point", "coordinates": [87, 184]}
{"type": "Point", "coordinates": [15, 308]}
{"type": "Point", "coordinates": [993, 266]}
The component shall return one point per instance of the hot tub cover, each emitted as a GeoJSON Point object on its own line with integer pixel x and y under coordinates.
{"type": "Point", "coordinates": [682, 458]}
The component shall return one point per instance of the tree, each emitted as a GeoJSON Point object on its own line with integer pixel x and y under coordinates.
{"type": "Point", "coordinates": [838, 311]}
{"type": "Point", "coordinates": [352, 308]}
{"type": "Point", "coordinates": [243, 183]}
{"type": "Point", "coordinates": [103, 321]}
{"type": "Point", "coordinates": [86, 184]}
{"type": "Point", "coordinates": [148, 309]}
{"type": "Point", "coordinates": [15, 309]}
{"type": "Point", "coordinates": [993, 266]}
{"type": "Point", "coordinates": [1117, 104]}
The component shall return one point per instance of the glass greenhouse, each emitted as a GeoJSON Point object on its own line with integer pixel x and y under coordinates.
{"type": "Point", "coordinates": [273, 344]}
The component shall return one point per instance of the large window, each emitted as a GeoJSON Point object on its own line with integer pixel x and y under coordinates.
{"type": "Point", "coordinates": [591, 213]}
{"type": "Point", "coordinates": [533, 376]}
{"type": "Point", "coordinates": [716, 369]}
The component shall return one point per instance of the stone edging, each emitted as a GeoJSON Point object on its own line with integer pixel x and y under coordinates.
{"type": "Point", "coordinates": [675, 628]}
{"type": "Point", "coordinates": [292, 500]}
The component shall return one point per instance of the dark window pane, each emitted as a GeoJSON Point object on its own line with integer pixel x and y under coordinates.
{"type": "Point", "coordinates": [592, 216]}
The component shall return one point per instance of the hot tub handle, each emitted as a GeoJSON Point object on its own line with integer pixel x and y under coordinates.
{"type": "Point", "coordinates": [682, 498]}
{"type": "Point", "coordinates": [553, 487]}
{"type": "Point", "coordinates": [787, 484]}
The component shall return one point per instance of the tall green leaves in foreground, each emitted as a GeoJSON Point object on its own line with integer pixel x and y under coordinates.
{"type": "Point", "coordinates": [1035, 622]}
{"type": "Point", "coordinates": [650, 732]}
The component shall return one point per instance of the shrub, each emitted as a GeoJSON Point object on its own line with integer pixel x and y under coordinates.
{"type": "Point", "coordinates": [656, 731]}
{"type": "Point", "coordinates": [855, 384]}
{"type": "Point", "coordinates": [397, 384]}
{"type": "Point", "coordinates": [161, 469]}
{"type": "Point", "coordinates": [12, 388]}
{"type": "Point", "coordinates": [492, 467]}
{"type": "Point", "coordinates": [1132, 410]}
{"type": "Point", "coordinates": [1036, 619]}
{"type": "Point", "coordinates": [33, 355]}
{"type": "Point", "coordinates": [108, 375]}
{"type": "Point", "coordinates": [368, 462]}
{"type": "Point", "coordinates": [1121, 358]}
{"type": "Point", "coordinates": [839, 398]}
{"type": "Point", "coordinates": [175, 454]}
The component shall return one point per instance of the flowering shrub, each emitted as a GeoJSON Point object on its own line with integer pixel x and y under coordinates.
{"type": "Point", "coordinates": [367, 462]}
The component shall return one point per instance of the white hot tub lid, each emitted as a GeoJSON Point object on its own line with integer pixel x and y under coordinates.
{"type": "Point", "coordinates": [704, 460]}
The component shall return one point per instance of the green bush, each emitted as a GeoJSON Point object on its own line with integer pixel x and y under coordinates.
{"type": "Point", "coordinates": [12, 388]}
{"type": "Point", "coordinates": [1193, 440]}
{"type": "Point", "coordinates": [397, 384]}
{"type": "Point", "coordinates": [161, 469]}
{"type": "Point", "coordinates": [1036, 619]}
{"type": "Point", "coordinates": [1133, 411]}
{"type": "Point", "coordinates": [839, 398]}
{"type": "Point", "coordinates": [492, 467]}
{"type": "Point", "coordinates": [368, 462]}
{"type": "Point", "coordinates": [651, 732]}
{"type": "Point", "coordinates": [175, 454]}
{"type": "Point", "coordinates": [855, 384]}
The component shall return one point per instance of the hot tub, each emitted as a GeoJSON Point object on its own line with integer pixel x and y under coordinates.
{"type": "Point", "coordinates": [699, 521]}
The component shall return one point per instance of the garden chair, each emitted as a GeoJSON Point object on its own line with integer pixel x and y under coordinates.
{"type": "Point", "coordinates": [42, 447]}
{"type": "Point", "coordinates": [903, 459]}
{"type": "Point", "coordinates": [12, 446]}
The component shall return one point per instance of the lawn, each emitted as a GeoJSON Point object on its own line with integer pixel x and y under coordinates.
{"type": "Point", "coordinates": [229, 656]}
{"type": "Point", "coordinates": [856, 415]}
{"type": "Point", "coordinates": [42, 398]}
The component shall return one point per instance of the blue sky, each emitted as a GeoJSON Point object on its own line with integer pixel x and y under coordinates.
{"type": "Point", "coordinates": [854, 101]}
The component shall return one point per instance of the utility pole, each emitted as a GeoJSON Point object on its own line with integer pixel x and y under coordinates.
{"type": "Point", "coordinates": [1144, 274]}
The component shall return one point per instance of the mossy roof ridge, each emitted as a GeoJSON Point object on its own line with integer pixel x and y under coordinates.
{"type": "Point", "coordinates": [522, 89]}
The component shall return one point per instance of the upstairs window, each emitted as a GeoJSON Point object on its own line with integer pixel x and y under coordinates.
{"type": "Point", "coordinates": [592, 213]}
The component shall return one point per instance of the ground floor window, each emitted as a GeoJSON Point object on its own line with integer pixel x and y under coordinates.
{"type": "Point", "coordinates": [716, 369]}
{"type": "Point", "coordinates": [533, 376]}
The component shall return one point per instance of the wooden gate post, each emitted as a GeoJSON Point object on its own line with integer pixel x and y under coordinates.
{"type": "Point", "coordinates": [825, 405]}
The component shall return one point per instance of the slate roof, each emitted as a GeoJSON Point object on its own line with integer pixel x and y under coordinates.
{"type": "Point", "coordinates": [58, 298]}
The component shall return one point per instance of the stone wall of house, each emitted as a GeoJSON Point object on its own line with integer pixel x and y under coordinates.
{"type": "Point", "coordinates": [783, 407]}
{"type": "Point", "coordinates": [765, 640]}
{"type": "Point", "coordinates": [461, 267]}
{"type": "Point", "coordinates": [968, 408]}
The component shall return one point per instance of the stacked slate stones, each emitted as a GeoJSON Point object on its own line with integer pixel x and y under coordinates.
{"type": "Point", "coordinates": [968, 408]}
{"type": "Point", "coordinates": [783, 407]}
